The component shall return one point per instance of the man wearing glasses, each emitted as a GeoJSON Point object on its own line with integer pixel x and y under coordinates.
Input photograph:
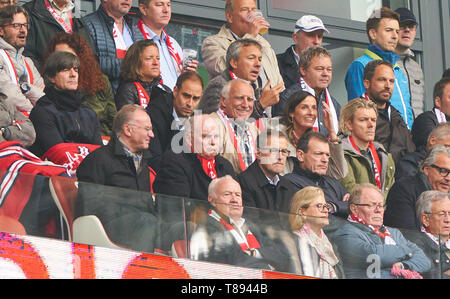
{"type": "Point", "coordinates": [368, 248]}
{"type": "Point", "coordinates": [433, 175]}
{"type": "Point", "coordinates": [313, 155]}
{"type": "Point", "coordinates": [20, 80]}
{"type": "Point", "coordinates": [262, 185]}
{"type": "Point", "coordinates": [433, 215]}
{"type": "Point", "coordinates": [123, 162]}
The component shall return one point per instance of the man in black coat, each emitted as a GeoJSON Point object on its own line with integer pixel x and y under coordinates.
{"type": "Point", "coordinates": [262, 185]}
{"type": "Point", "coordinates": [401, 201]}
{"type": "Point", "coordinates": [308, 32]}
{"type": "Point", "coordinates": [47, 18]}
{"type": "Point", "coordinates": [126, 214]}
{"type": "Point", "coordinates": [187, 170]}
{"type": "Point", "coordinates": [313, 153]}
{"type": "Point", "coordinates": [391, 130]}
{"type": "Point", "coordinates": [223, 235]}
{"type": "Point", "coordinates": [169, 115]}
{"type": "Point", "coordinates": [425, 122]}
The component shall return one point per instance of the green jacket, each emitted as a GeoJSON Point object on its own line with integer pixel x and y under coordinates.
{"type": "Point", "coordinates": [360, 168]}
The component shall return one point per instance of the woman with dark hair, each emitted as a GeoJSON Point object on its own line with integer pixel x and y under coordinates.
{"type": "Point", "coordinates": [140, 76]}
{"type": "Point", "coordinates": [98, 94]}
{"type": "Point", "coordinates": [59, 116]}
{"type": "Point", "coordinates": [299, 117]}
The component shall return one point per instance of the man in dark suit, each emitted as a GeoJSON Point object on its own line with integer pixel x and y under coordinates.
{"type": "Point", "coordinates": [313, 154]}
{"type": "Point", "coordinates": [262, 185]}
{"type": "Point", "coordinates": [224, 236]}
{"type": "Point", "coordinates": [425, 122]}
{"type": "Point", "coordinates": [187, 171]}
{"type": "Point", "coordinates": [169, 117]}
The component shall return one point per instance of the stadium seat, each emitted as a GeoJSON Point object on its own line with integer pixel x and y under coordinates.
{"type": "Point", "coordinates": [11, 225]}
{"type": "Point", "coordinates": [179, 249]}
{"type": "Point", "coordinates": [64, 192]}
{"type": "Point", "coordinates": [89, 230]}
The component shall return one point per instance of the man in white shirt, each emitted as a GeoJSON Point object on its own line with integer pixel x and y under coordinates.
{"type": "Point", "coordinates": [155, 16]}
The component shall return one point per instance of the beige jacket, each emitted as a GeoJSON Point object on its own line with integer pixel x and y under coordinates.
{"type": "Point", "coordinates": [23, 102]}
{"type": "Point", "coordinates": [215, 47]}
{"type": "Point", "coordinates": [227, 149]}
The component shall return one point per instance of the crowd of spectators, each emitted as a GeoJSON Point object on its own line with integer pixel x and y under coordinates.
{"type": "Point", "coordinates": [264, 132]}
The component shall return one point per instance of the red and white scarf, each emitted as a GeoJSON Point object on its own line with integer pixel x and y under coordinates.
{"type": "Point", "coordinates": [440, 115]}
{"type": "Point", "coordinates": [383, 232]}
{"type": "Point", "coordinates": [245, 243]}
{"type": "Point", "coordinates": [12, 69]}
{"type": "Point", "coordinates": [121, 47]}
{"type": "Point", "coordinates": [209, 166]}
{"type": "Point", "coordinates": [305, 87]}
{"type": "Point", "coordinates": [144, 98]}
{"type": "Point", "coordinates": [172, 51]}
{"type": "Point", "coordinates": [68, 28]}
{"type": "Point", "coordinates": [226, 121]}
{"type": "Point", "coordinates": [375, 160]}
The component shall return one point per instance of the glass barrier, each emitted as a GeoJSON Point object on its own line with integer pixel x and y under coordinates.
{"type": "Point", "coordinates": [323, 247]}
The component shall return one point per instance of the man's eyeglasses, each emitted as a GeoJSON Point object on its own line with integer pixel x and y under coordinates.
{"type": "Point", "coordinates": [18, 26]}
{"type": "Point", "coordinates": [440, 214]}
{"type": "Point", "coordinates": [442, 171]}
{"type": "Point", "coordinates": [371, 206]}
{"type": "Point", "coordinates": [147, 128]}
{"type": "Point", "coordinates": [284, 152]}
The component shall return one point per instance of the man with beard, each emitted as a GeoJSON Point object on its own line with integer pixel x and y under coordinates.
{"type": "Point", "coordinates": [20, 81]}
{"type": "Point", "coordinates": [391, 129]}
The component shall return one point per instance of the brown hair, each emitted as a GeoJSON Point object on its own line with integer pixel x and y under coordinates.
{"type": "Point", "coordinates": [131, 64]}
{"type": "Point", "coordinates": [89, 66]}
{"type": "Point", "coordinates": [377, 15]}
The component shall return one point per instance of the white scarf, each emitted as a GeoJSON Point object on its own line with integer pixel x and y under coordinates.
{"type": "Point", "coordinates": [440, 115]}
{"type": "Point", "coordinates": [121, 48]}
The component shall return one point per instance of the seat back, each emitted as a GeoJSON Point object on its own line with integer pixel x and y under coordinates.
{"type": "Point", "coordinates": [89, 230]}
{"type": "Point", "coordinates": [11, 225]}
{"type": "Point", "coordinates": [64, 192]}
{"type": "Point", "coordinates": [179, 249]}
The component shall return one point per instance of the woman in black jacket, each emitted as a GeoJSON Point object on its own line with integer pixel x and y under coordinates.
{"type": "Point", "coordinates": [140, 76]}
{"type": "Point", "coordinates": [59, 116]}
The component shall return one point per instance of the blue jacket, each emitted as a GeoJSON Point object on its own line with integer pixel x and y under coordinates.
{"type": "Point", "coordinates": [363, 252]}
{"type": "Point", "coordinates": [101, 29]}
{"type": "Point", "coordinates": [401, 98]}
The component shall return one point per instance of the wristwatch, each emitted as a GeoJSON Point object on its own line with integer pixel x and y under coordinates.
{"type": "Point", "coordinates": [25, 87]}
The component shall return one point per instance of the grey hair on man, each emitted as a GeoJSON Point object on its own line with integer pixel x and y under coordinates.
{"type": "Point", "coordinates": [425, 202]}
{"type": "Point", "coordinates": [123, 116]}
{"type": "Point", "coordinates": [213, 184]}
{"type": "Point", "coordinates": [433, 154]}
{"type": "Point", "coordinates": [356, 195]}
{"type": "Point", "coordinates": [234, 50]}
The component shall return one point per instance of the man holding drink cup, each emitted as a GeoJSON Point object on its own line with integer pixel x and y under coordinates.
{"type": "Point", "coordinates": [155, 15]}
{"type": "Point", "coordinates": [243, 21]}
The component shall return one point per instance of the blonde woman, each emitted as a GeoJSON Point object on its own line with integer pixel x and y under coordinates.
{"type": "Point", "coordinates": [308, 216]}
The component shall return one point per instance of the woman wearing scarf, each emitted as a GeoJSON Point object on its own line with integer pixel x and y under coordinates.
{"type": "Point", "coordinates": [140, 76]}
{"type": "Point", "coordinates": [308, 216]}
{"type": "Point", "coordinates": [60, 116]}
{"type": "Point", "coordinates": [371, 250]}
{"type": "Point", "coordinates": [300, 115]}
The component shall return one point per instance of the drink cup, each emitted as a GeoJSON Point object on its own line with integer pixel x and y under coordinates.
{"type": "Point", "coordinates": [254, 15]}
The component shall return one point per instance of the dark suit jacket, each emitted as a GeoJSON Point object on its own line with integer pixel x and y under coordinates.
{"type": "Point", "coordinates": [182, 175]}
{"type": "Point", "coordinates": [422, 127]}
{"type": "Point", "coordinates": [259, 193]}
{"type": "Point", "coordinates": [289, 68]}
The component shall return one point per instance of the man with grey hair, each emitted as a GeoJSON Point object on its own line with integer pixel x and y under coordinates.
{"type": "Point", "coordinates": [187, 172]}
{"type": "Point", "coordinates": [237, 134]}
{"type": "Point", "coordinates": [316, 71]}
{"type": "Point", "coordinates": [370, 249]}
{"type": "Point", "coordinates": [241, 23]}
{"type": "Point", "coordinates": [401, 200]}
{"type": "Point", "coordinates": [433, 216]}
{"type": "Point", "coordinates": [123, 162]}
{"type": "Point", "coordinates": [243, 60]}
{"type": "Point", "coordinates": [226, 237]}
